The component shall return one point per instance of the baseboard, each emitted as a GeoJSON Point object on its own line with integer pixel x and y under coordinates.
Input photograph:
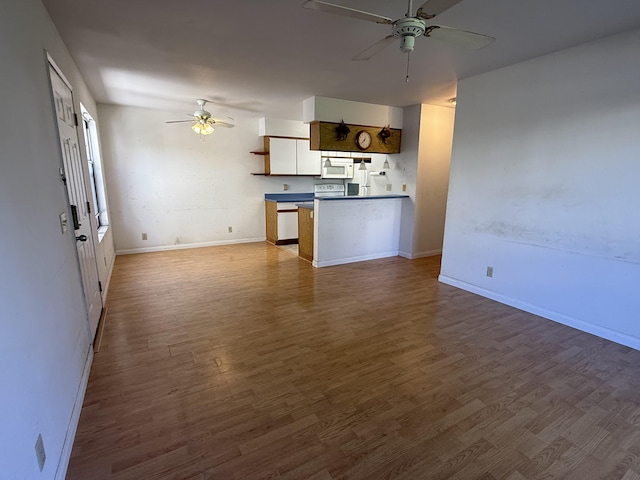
{"type": "Point", "coordinates": [65, 455]}
{"type": "Point", "coordinates": [597, 330]}
{"type": "Point", "coordinates": [360, 258]}
{"type": "Point", "coordinates": [182, 246]}
{"type": "Point", "coordinates": [427, 253]}
{"type": "Point", "coordinates": [105, 287]}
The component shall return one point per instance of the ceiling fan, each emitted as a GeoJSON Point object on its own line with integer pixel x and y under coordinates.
{"type": "Point", "coordinates": [408, 28]}
{"type": "Point", "coordinates": [202, 121]}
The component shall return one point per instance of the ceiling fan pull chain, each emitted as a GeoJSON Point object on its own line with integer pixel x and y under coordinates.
{"type": "Point", "coordinates": [406, 79]}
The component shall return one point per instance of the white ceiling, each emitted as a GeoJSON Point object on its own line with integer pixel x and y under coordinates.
{"type": "Point", "coordinates": [262, 58]}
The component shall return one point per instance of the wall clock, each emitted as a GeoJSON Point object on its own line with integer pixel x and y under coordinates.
{"type": "Point", "coordinates": [363, 140]}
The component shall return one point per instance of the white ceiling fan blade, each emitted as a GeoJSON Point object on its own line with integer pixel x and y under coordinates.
{"type": "Point", "coordinates": [220, 123]}
{"type": "Point", "coordinates": [180, 121]}
{"type": "Point", "coordinates": [431, 8]}
{"type": "Point", "coordinates": [461, 38]}
{"type": "Point", "coordinates": [346, 11]}
{"type": "Point", "coordinates": [375, 48]}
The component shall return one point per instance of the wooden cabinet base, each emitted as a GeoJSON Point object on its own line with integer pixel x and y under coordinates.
{"type": "Point", "coordinates": [271, 214]}
{"type": "Point", "coordinates": [305, 233]}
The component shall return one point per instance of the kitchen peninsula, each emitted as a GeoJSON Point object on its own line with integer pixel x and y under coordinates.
{"type": "Point", "coordinates": [344, 229]}
{"type": "Point", "coordinates": [356, 228]}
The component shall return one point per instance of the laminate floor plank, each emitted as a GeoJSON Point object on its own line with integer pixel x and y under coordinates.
{"type": "Point", "coordinates": [243, 362]}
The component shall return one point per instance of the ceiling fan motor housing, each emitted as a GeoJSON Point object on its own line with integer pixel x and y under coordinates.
{"type": "Point", "coordinates": [201, 114]}
{"type": "Point", "coordinates": [407, 29]}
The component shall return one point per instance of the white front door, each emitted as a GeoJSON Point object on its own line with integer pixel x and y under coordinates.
{"type": "Point", "coordinates": [77, 193]}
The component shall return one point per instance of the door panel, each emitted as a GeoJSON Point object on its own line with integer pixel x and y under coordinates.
{"type": "Point", "coordinates": [77, 193]}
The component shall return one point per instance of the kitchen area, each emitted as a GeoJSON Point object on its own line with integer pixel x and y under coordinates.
{"type": "Point", "coordinates": [360, 181]}
{"type": "Point", "coordinates": [352, 213]}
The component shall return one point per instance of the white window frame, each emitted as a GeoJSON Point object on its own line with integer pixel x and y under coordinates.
{"type": "Point", "coordinates": [96, 173]}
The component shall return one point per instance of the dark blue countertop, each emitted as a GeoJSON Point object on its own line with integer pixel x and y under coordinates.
{"type": "Point", "coordinates": [363, 197]}
{"type": "Point", "coordinates": [288, 197]}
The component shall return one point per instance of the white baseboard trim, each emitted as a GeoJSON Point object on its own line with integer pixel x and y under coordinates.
{"type": "Point", "coordinates": [164, 248]}
{"type": "Point", "coordinates": [65, 455]}
{"type": "Point", "coordinates": [427, 253]}
{"type": "Point", "coordinates": [359, 258]}
{"type": "Point", "coordinates": [597, 330]}
{"type": "Point", "coordinates": [105, 287]}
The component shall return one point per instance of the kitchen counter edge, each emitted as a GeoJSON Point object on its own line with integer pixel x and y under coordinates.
{"type": "Point", "coordinates": [362, 197]}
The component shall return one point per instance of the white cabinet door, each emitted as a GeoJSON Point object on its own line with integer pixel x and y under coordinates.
{"type": "Point", "coordinates": [282, 156]}
{"type": "Point", "coordinates": [308, 160]}
{"type": "Point", "coordinates": [287, 225]}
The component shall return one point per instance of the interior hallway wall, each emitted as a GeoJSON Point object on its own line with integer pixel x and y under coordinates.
{"type": "Point", "coordinates": [426, 152]}
{"type": "Point", "coordinates": [432, 180]}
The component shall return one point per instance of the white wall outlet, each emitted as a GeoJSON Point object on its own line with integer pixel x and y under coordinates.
{"type": "Point", "coordinates": [230, 229]}
{"type": "Point", "coordinates": [40, 454]}
{"type": "Point", "coordinates": [388, 187]}
{"type": "Point", "coordinates": [144, 236]}
{"type": "Point", "coordinates": [404, 187]}
{"type": "Point", "coordinates": [490, 272]}
{"type": "Point", "coordinates": [285, 186]}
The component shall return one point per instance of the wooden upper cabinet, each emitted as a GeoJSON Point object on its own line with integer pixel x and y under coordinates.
{"type": "Point", "coordinates": [325, 136]}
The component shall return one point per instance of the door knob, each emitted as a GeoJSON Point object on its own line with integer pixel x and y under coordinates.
{"type": "Point", "coordinates": [82, 238]}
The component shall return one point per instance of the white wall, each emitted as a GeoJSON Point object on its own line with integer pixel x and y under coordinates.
{"type": "Point", "coordinates": [544, 187]}
{"type": "Point", "coordinates": [165, 181]}
{"type": "Point", "coordinates": [44, 343]}
{"type": "Point", "coordinates": [432, 182]}
{"type": "Point", "coordinates": [424, 164]}
{"type": "Point", "coordinates": [407, 160]}
{"type": "Point", "coordinates": [327, 109]}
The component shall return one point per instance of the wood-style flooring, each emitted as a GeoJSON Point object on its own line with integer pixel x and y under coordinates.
{"type": "Point", "coordinates": [244, 362]}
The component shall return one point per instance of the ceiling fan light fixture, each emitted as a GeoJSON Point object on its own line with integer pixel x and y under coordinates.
{"type": "Point", "coordinates": [202, 128]}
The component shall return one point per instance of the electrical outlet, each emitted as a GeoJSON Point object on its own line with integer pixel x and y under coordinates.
{"type": "Point", "coordinates": [144, 236]}
{"type": "Point", "coordinates": [404, 187]}
{"type": "Point", "coordinates": [230, 229]}
{"type": "Point", "coordinates": [40, 454]}
{"type": "Point", "coordinates": [285, 186]}
{"type": "Point", "coordinates": [490, 272]}
{"type": "Point", "coordinates": [388, 187]}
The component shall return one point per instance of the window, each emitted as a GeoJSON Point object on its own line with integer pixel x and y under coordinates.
{"type": "Point", "coordinates": [96, 178]}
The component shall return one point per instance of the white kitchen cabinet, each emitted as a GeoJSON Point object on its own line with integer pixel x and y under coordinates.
{"type": "Point", "coordinates": [281, 222]}
{"type": "Point", "coordinates": [291, 156]}
{"type": "Point", "coordinates": [308, 161]}
{"type": "Point", "coordinates": [282, 156]}
{"type": "Point", "coordinates": [288, 225]}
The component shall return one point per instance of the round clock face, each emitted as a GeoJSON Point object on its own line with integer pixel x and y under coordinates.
{"type": "Point", "coordinates": [363, 140]}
